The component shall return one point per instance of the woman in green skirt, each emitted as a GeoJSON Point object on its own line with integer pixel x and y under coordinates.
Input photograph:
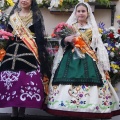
{"type": "Point", "coordinates": [79, 85]}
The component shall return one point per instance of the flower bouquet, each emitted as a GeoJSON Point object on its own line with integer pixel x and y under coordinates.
{"type": "Point", "coordinates": [4, 36]}
{"type": "Point", "coordinates": [62, 30]}
{"type": "Point", "coordinates": [111, 40]}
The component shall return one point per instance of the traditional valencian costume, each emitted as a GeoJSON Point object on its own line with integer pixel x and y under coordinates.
{"type": "Point", "coordinates": [25, 63]}
{"type": "Point", "coordinates": [78, 87]}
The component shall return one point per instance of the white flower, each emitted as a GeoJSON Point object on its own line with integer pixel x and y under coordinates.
{"type": "Point", "coordinates": [81, 0]}
{"type": "Point", "coordinates": [112, 54]}
{"type": "Point", "coordinates": [117, 45]}
{"type": "Point", "coordinates": [39, 1]}
{"type": "Point", "coordinates": [116, 35]}
{"type": "Point", "coordinates": [112, 62]}
{"type": "Point", "coordinates": [92, 0]}
{"type": "Point", "coordinates": [112, 28]}
{"type": "Point", "coordinates": [115, 71]}
{"type": "Point", "coordinates": [106, 29]}
{"type": "Point", "coordinates": [14, 0]}
{"type": "Point", "coordinates": [88, 1]}
{"type": "Point", "coordinates": [0, 15]}
{"type": "Point", "coordinates": [1, 3]}
{"type": "Point", "coordinates": [106, 44]}
{"type": "Point", "coordinates": [54, 3]}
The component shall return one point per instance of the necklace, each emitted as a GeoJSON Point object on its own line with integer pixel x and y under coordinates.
{"type": "Point", "coordinates": [81, 27]}
{"type": "Point", "coordinates": [82, 24]}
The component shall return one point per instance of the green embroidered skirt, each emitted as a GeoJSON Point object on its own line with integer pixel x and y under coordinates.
{"type": "Point", "coordinates": [77, 71]}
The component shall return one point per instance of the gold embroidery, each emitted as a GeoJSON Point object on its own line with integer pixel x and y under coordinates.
{"type": "Point", "coordinates": [83, 42]}
{"type": "Point", "coordinates": [16, 56]}
{"type": "Point", "coordinates": [27, 21]}
{"type": "Point", "coordinates": [86, 35]}
{"type": "Point", "coordinates": [24, 34]}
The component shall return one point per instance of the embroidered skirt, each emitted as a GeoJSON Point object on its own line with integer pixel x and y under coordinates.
{"type": "Point", "coordinates": [85, 99]}
{"type": "Point", "coordinates": [21, 89]}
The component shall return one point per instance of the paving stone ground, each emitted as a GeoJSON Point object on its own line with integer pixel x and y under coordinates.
{"type": "Point", "coordinates": [36, 117]}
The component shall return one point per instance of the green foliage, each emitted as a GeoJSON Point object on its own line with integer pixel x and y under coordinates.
{"type": "Point", "coordinates": [67, 4]}
{"type": "Point", "coordinates": [104, 2]}
{"type": "Point", "coordinates": [6, 5]}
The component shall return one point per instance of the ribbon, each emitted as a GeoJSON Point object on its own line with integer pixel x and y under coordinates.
{"type": "Point", "coordinates": [84, 47]}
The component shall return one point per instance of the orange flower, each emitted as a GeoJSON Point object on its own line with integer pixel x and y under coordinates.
{"type": "Point", "coordinates": [2, 54]}
{"type": "Point", "coordinates": [53, 35]}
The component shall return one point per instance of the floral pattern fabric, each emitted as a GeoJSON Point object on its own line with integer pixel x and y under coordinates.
{"type": "Point", "coordinates": [21, 89]}
{"type": "Point", "coordinates": [83, 99]}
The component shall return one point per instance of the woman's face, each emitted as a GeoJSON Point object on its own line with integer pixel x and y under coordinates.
{"type": "Point", "coordinates": [81, 13]}
{"type": "Point", "coordinates": [25, 3]}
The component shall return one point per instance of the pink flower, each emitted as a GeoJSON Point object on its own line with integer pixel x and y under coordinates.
{"type": "Point", "coordinates": [62, 29]}
{"type": "Point", "coordinates": [61, 25]}
{"type": "Point", "coordinates": [58, 30]}
{"type": "Point", "coordinates": [5, 37]}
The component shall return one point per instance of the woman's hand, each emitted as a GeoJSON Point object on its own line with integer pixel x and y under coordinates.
{"type": "Point", "coordinates": [70, 38]}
